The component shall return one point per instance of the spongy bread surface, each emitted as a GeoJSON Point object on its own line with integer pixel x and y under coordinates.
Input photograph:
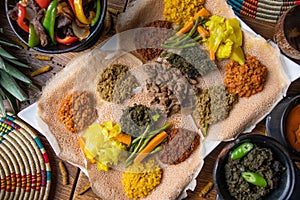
{"type": "Point", "coordinates": [108, 185]}
{"type": "Point", "coordinates": [175, 179]}
{"type": "Point", "coordinates": [80, 74]}
{"type": "Point", "coordinates": [55, 90]}
{"type": "Point", "coordinates": [248, 111]}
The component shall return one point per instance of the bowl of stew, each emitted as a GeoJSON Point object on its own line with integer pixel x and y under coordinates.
{"type": "Point", "coordinates": [254, 166]}
{"type": "Point", "coordinates": [52, 26]}
{"type": "Point", "coordinates": [290, 127]}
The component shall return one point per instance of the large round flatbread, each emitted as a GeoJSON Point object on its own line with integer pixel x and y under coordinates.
{"type": "Point", "coordinates": [248, 111]}
{"type": "Point", "coordinates": [79, 75]}
{"type": "Point", "coordinates": [82, 74]}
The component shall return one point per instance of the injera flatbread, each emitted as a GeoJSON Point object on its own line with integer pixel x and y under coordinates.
{"type": "Point", "coordinates": [175, 179]}
{"type": "Point", "coordinates": [80, 74]}
{"type": "Point", "coordinates": [108, 185]}
{"type": "Point", "coordinates": [248, 111]}
{"type": "Point", "coordinates": [141, 13]}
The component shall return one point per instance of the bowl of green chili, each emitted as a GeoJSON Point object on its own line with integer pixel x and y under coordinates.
{"type": "Point", "coordinates": [253, 167]}
{"type": "Point", "coordinates": [57, 26]}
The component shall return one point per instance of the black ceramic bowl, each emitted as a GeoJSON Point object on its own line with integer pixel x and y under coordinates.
{"type": "Point", "coordinates": [287, 180]}
{"type": "Point", "coordinates": [291, 104]}
{"type": "Point", "coordinates": [95, 33]}
{"type": "Point", "coordinates": [286, 32]}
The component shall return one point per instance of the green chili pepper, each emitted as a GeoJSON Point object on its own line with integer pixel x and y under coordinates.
{"type": "Point", "coordinates": [98, 9]}
{"type": "Point", "coordinates": [241, 150]}
{"type": "Point", "coordinates": [49, 21]}
{"type": "Point", "coordinates": [255, 179]}
{"type": "Point", "coordinates": [33, 39]}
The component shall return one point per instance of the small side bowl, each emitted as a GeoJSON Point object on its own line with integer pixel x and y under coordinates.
{"type": "Point", "coordinates": [95, 33]}
{"type": "Point", "coordinates": [287, 181]}
{"type": "Point", "coordinates": [292, 103]}
{"type": "Point", "coordinates": [286, 28]}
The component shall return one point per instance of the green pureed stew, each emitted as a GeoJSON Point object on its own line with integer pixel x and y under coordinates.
{"type": "Point", "coordinates": [254, 175]}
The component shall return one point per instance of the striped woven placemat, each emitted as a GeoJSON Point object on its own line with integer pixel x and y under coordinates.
{"type": "Point", "coordinates": [265, 10]}
{"type": "Point", "coordinates": [25, 171]}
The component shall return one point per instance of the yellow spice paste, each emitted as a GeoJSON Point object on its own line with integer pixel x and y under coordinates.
{"type": "Point", "coordinates": [140, 179]}
{"type": "Point", "coordinates": [181, 11]}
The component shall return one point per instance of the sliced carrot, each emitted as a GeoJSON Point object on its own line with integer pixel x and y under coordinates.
{"type": "Point", "coordinates": [187, 27]}
{"type": "Point", "coordinates": [87, 155]}
{"type": "Point", "coordinates": [212, 55]}
{"type": "Point", "coordinates": [204, 33]}
{"type": "Point", "coordinates": [123, 138]}
{"type": "Point", "coordinates": [150, 146]}
{"type": "Point", "coordinates": [202, 13]}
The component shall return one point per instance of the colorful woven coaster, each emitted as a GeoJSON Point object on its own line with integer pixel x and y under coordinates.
{"type": "Point", "coordinates": [25, 171]}
{"type": "Point", "coordinates": [264, 10]}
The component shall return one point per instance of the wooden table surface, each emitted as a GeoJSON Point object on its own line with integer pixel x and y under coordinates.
{"type": "Point", "coordinates": [77, 180]}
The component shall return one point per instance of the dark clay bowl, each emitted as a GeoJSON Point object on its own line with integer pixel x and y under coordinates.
{"type": "Point", "coordinates": [95, 33]}
{"type": "Point", "coordinates": [287, 181]}
{"type": "Point", "coordinates": [287, 32]}
{"type": "Point", "coordinates": [291, 104]}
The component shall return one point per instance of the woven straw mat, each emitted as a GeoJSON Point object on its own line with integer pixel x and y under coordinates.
{"type": "Point", "coordinates": [264, 10]}
{"type": "Point", "coordinates": [24, 165]}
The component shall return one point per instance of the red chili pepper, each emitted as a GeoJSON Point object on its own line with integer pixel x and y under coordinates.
{"type": "Point", "coordinates": [21, 18]}
{"type": "Point", "coordinates": [67, 40]}
{"type": "Point", "coordinates": [43, 3]}
{"type": "Point", "coordinates": [71, 2]}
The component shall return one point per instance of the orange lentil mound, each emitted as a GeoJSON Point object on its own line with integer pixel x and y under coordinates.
{"type": "Point", "coordinates": [247, 79]}
{"type": "Point", "coordinates": [77, 111]}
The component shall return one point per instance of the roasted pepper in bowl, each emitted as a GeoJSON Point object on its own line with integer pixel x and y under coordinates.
{"type": "Point", "coordinates": [80, 13]}
{"type": "Point", "coordinates": [21, 17]}
{"type": "Point", "coordinates": [64, 22]}
{"type": "Point", "coordinates": [43, 3]}
{"type": "Point", "coordinates": [33, 39]}
{"type": "Point", "coordinates": [255, 179]}
{"type": "Point", "coordinates": [67, 40]}
{"type": "Point", "coordinates": [241, 150]}
{"type": "Point", "coordinates": [49, 20]}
